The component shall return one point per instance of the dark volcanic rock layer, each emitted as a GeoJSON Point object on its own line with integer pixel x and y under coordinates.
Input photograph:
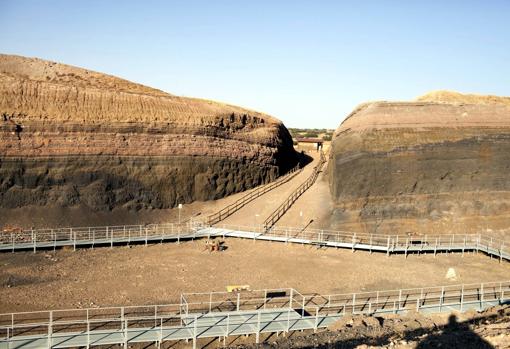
{"type": "Point", "coordinates": [70, 136]}
{"type": "Point", "coordinates": [422, 167]}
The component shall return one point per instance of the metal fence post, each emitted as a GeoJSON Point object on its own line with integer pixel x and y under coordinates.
{"type": "Point", "coordinates": [258, 328]}
{"type": "Point", "coordinates": [316, 319]}
{"type": "Point", "coordinates": [288, 320]}
{"type": "Point", "coordinates": [461, 298]}
{"type": "Point", "coordinates": [160, 332]}
{"type": "Point", "coordinates": [481, 296]}
{"type": "Point", "coordinates": [50, 330]}
{"type": "Point", "coordinates": [238, 300]}
{"type": "Point", "coordinates": [125, 333]}
{"type": "Point", "coordinates": [88, 331]}
{"type": "Point", "coordinates": [228, 325]}
{"type": "Point", "coordinates": [195, 333]}
{"type": "Point", "coordinates": [441, 299]}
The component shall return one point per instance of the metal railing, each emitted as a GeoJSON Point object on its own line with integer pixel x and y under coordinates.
{"type": "Point", "coordinates": [431, 243]}
{"type": "Point", "coordinates": [238, 204]}
{"type": "Point", "coordinates": [220, 314]}
{"type": "Point", "coordinates": [111, 235]}
{"type": "Point", "coordinates": [280, 211]}
{"type": "Point", "coordinates": [104, 235]}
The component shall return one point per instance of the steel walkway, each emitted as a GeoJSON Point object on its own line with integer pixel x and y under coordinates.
{"type": "Point", "coordinates": [204, 326]}
{"type": "Point", "coordinates": [389, 244]}
{"type": "Point", "coordinates": [222, 314]}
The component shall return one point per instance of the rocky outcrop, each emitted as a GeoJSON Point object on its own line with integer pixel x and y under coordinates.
{"type": "Point", "coordinates": [69, 136]}
{"type": "Point", "coordinates": [436, 166]}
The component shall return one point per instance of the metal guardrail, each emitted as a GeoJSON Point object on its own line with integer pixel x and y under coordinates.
{"type": "Point", "coordinates": [111, 235]}
{"type": "Point", "coordinates": [280, 211]}
{"type": "Point", "coordinates": [94, 236]}
{"type": "Point", "coordinates": [220, 314]}
{"type": "Point", "coordinates": [238, 204]}
{"type": "Point", "coordinates": [389, 244]}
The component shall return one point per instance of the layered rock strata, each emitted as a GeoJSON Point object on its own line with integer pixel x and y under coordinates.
{"type": "Point", "coordinates": [69, 136]}
{"type": "Point", "coordinates": [422, 167]}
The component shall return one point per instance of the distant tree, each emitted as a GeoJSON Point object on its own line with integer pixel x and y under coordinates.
{"type": "Point", "coordinates": [311, 134]}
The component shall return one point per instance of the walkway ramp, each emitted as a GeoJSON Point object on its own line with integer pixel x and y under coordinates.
{"type": "Point", "coordinates": [154, 233]}
{"type": "Point", "coordinates": [223, 314]}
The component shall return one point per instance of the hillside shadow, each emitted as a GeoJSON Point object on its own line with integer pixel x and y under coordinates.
{"type": "Point", "coordinates": [452, 335]}
{"type": "Point", "coordinates": [304, 159]}
{"type": "Point", "coordinates": [455, 335]}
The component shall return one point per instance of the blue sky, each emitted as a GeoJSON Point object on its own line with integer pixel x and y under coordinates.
{"type": "Point", "coordinates": [309, 63]}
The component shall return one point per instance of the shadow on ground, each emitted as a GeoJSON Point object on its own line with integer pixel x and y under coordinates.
{"type": "Point", "coordinates": [454, 334]}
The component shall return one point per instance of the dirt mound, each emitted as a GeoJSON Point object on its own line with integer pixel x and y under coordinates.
{"type": "Point", "coordinates": [452, 97]}
{"type": "Point", "coordinates": [70, 136]}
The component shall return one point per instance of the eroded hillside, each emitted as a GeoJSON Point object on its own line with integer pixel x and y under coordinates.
{"type": "Point", "coordinates": [70, 136]}
{"type": "Point", "coordinates": [423, 167]}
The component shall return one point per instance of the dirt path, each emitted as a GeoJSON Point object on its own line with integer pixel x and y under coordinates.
{"type": "Point", "coordinates": [259, 209]}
